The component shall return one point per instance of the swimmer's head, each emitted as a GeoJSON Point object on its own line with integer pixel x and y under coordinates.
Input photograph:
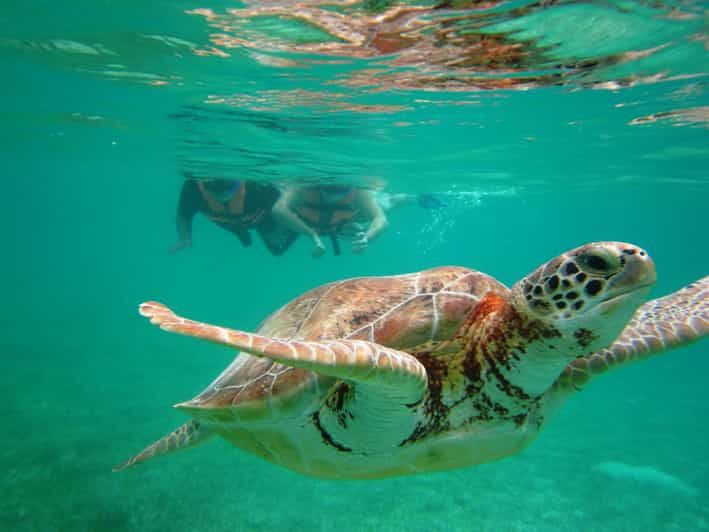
{"type": "Point", "coordinates": [222, 188]}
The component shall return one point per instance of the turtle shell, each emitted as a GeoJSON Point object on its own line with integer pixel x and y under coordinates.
{"type": "Point", "coordinates": [403, 312]}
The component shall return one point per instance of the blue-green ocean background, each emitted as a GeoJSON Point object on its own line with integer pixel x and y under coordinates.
{"type": "Point", "coordinates": [87, 210]}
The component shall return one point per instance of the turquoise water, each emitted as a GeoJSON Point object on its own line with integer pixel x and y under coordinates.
{"type": "Point", "coordinates": [93, 147]}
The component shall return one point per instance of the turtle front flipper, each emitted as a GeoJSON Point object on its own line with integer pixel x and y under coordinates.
{"type": "Point", "coordinates": [358, 361]}
{"type": "Point", "coordinates": [188, 435]}
{"type": "Point", "coordinates": [657, 326]}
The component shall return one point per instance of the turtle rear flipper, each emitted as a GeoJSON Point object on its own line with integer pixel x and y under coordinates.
{"type": "Point", "coordinates": [188, 435]}
{"type": "Point", "coordinates": [657, 326]}
{"type": "Point", "coordinates": [395, 374]}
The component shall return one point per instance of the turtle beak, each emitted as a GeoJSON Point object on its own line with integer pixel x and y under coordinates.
{"type": "Point", "coordinates": [632, 283]}
{"type": "Point", "coordinates": [638, 274]}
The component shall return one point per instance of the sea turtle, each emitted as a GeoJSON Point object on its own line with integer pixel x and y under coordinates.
{"type": "Point", "coordinates": [444, 368]}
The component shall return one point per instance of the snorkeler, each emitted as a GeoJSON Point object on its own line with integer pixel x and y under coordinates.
{"type": "Point", "coordinates": [328, 210]}
{"type": "Point", "coordinates": [236, 206]}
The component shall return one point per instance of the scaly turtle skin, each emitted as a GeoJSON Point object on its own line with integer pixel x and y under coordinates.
{"type": "Point", "coordinates": [445, 368]}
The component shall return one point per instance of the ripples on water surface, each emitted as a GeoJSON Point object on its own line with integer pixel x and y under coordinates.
{"type": "Point", "coordinates": [511, 91]}
{"type": "Point", "coordinates": [542, 125]}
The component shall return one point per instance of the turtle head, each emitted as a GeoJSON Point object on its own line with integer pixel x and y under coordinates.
{"type": "Point", "coordinates": [587, 295]}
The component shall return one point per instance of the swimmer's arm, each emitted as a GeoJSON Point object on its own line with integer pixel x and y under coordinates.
{"type": "Point", "coordinates": [188, 205]}
{"type": "Point", "coordinates": [371, 208]}
{"type": "Point", "coordinates": [284, 213]}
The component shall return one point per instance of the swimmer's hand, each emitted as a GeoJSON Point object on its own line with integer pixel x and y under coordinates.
{"type": "Point", "coordinates": [359, 242]}
{"type": "Point", "coordinates": [319, 248]}
{"type": "Point", "coordinates": [179, 246]}
{"type": "Point", "coordinates": [352, 229]}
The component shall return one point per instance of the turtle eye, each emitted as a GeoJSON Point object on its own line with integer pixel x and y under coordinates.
{"type": "Point", "coordinates": [599, 262]}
